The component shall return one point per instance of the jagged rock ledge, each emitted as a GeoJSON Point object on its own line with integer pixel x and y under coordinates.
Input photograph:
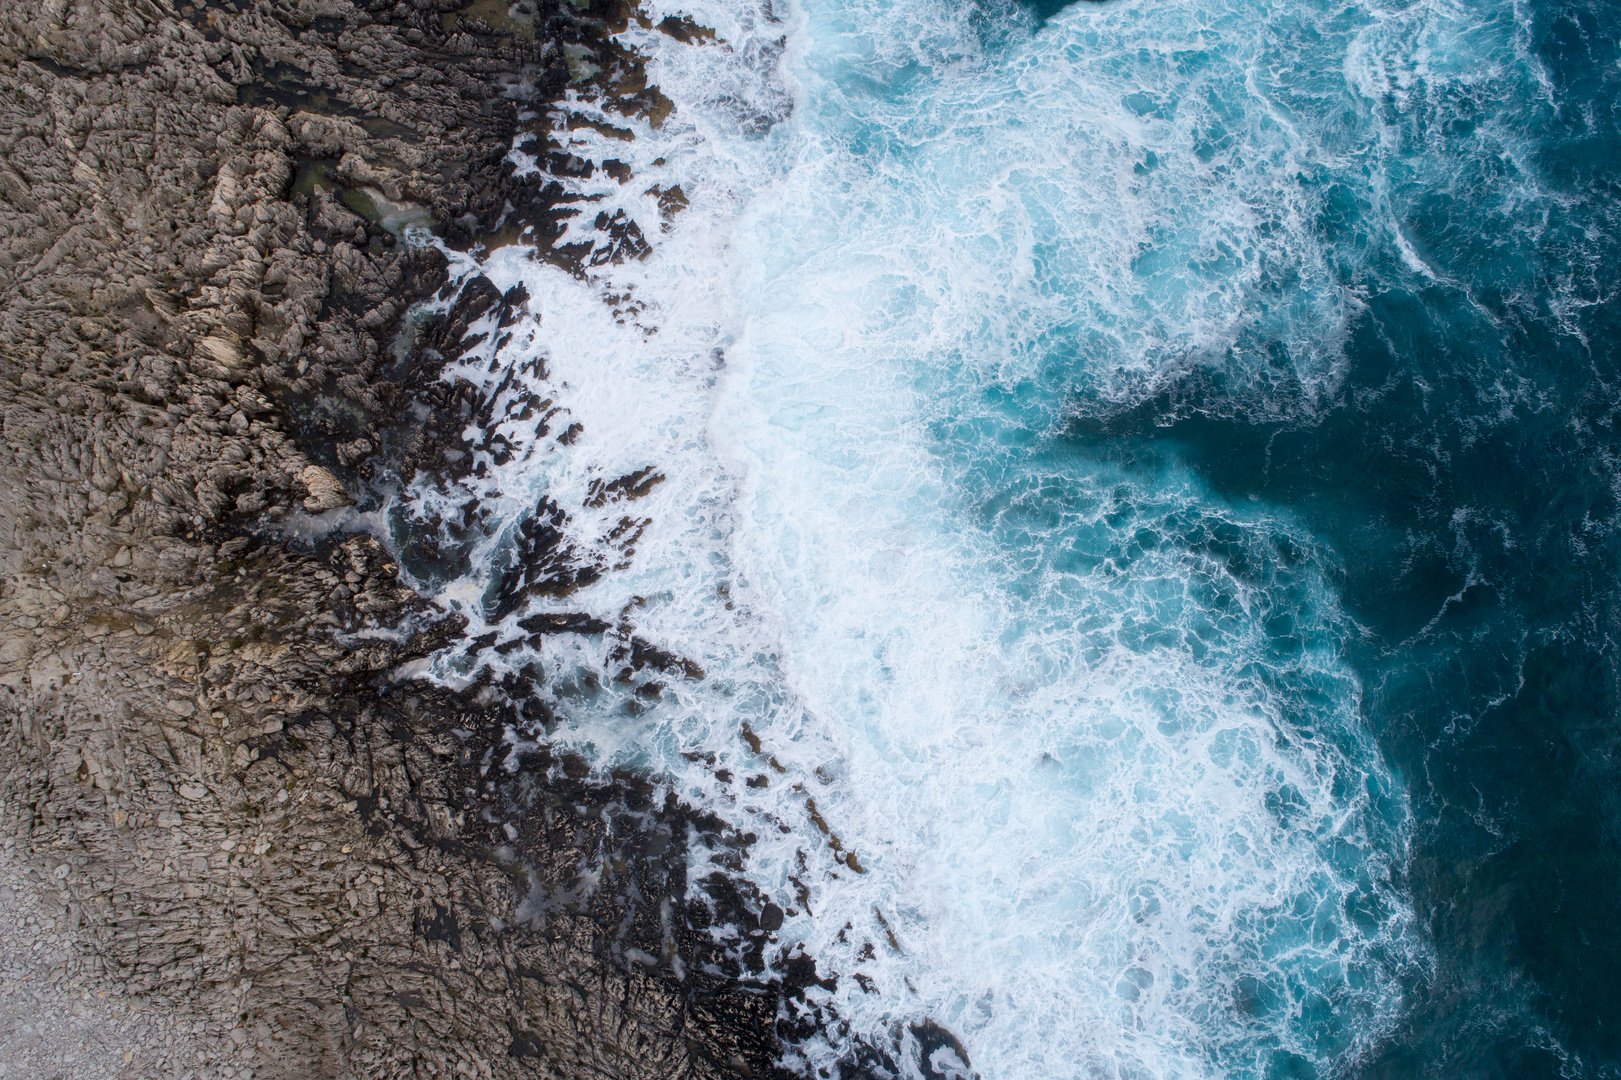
{"type": "Point", "coordinates": [205, 766]}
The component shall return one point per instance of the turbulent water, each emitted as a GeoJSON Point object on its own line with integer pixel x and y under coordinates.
{"type": "Point", "coordinates": [1120, 501]}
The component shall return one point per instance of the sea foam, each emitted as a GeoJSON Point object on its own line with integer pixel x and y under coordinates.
{"type": "Point", "coordinates": [1058, 752]}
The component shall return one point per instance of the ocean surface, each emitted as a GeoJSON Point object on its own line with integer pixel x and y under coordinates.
{"type": "Point", "coordinates": [1119, 499]}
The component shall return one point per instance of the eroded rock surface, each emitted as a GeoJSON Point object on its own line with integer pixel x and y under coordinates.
{"type": "Point", "coordinates": [207, 778]}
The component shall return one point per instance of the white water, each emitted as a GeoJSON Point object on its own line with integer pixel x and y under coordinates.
{"type": "Point", "coordinates": [1086, 728]}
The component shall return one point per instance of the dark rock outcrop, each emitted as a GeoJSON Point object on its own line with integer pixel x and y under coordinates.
{"type": "Point", "coordinates": [242, 816]}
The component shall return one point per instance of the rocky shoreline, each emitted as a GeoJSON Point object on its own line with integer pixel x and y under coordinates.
{"type": "Point", "coordinates": [211, 782]}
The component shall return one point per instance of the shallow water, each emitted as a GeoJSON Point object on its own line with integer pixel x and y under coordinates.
{"type": "Point", "coordinates": [1135, 494]}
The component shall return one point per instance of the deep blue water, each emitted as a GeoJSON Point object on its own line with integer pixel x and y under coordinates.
{"type": "Point", "coordinates": [1464, 476]}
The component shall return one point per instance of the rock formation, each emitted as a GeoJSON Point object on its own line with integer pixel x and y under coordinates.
{"type": "Point", "coordinates": [208, 771]}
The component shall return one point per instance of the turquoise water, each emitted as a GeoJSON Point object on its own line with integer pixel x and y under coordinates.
{"type": "Point", "coordinates": [1138, 481]}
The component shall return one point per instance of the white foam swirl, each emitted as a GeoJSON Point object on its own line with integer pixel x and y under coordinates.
{"type": "Point", "coordinates": [1086, 729]}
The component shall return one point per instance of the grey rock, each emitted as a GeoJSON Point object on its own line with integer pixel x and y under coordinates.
{"type": "Point", "coordinates": [272, 868]}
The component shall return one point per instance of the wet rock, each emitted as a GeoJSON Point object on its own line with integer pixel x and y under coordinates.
{"type": "Point", "coordinates": [267, 839]}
